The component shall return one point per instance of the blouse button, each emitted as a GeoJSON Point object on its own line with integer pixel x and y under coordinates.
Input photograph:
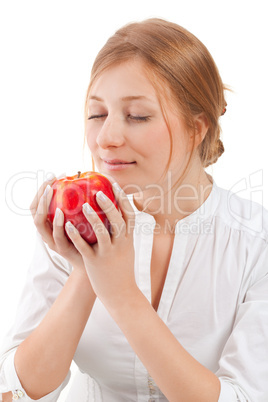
{"type": "Point", "coordinates": [15, 397]}
{"type": "Point", "coordinates": [20, 394]}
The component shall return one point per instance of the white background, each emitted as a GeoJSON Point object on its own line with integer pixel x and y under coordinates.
{"type": "Point", "coordinates": [47, 49]}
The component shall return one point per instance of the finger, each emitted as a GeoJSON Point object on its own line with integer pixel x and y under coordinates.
{"type": "Point", "coordinates": [117, 222]}
{"type": "Point", "coordinates": [40, 192]}
{"type": "Point", "coordinates": [40, 217]}
{"type": "Point", "coordinates": [125, 206]}
{"type": "Point", "coordinates": [101, 232]}
{"type": "Point", "coordinates": [64, 246]}
{"type": "Point", "coordinates": [80, 244]}
{"type": "Point", "coordinates": [59, 236]}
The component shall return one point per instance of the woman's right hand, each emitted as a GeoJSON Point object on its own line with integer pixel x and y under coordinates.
{"type": "Point", "coordinates": [54, 236]}
{"type": "Point", "coordinates": [43, 358]}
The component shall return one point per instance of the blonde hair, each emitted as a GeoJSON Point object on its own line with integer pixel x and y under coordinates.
{"type": "Point", "coordinates": [174, 56]}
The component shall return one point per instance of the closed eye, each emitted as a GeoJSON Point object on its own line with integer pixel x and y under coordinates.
{"type": "Point", "coordinates": [138, 118]}
{"type": "Point", "coordinates": [96, 116]}
{"type": "Point", "coordinates": [129, 116]}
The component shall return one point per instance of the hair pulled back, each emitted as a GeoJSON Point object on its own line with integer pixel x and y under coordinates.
{"type": "Point", "coordinates": [180, 60]}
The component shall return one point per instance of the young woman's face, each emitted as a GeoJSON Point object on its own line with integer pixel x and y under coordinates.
{"type": "Point", "coordinates": [127, 133]}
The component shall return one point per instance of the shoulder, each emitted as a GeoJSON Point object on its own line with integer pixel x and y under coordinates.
{"type": "Point", "coordinates": [243, 215]}
{"type": "Point", "coordinates": [241, 227]}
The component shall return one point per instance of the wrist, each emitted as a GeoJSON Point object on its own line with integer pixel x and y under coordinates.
{"type": "Point", "coordinates": [131, 302]}
{"type": "Point", "coordinates": [80, 280]}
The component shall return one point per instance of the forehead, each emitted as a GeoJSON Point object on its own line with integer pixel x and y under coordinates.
{"type": "Point", "coordinates": [127, 79]}
{"type": "Point", "coordinates": [134, 79]}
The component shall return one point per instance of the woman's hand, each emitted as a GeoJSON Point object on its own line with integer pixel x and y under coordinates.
{"type": "Point", "coordinates": [110, 262]}
{"type": "Point", "coordinates": [55, 236]}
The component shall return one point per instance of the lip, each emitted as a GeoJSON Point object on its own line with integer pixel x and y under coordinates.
{"type": "Point", "coordinates": [116, 161]}
{"type": "Point", "coordinates": [117, 164]}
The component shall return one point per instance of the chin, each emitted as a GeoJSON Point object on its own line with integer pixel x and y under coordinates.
{"type": "Point", "coordinates": [123, 183]}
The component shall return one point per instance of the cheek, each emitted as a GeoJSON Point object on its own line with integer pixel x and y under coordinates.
{"type": "Point", "coordinates": [91, 140]}
{"type": "Point", "coordinates": [157, 143]}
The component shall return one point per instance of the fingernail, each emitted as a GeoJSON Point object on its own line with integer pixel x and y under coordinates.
{"type": "Point", "coordinates": [70, 227]}
{"type": "Point", "coordinates": [59, 217]}
{"type": "Point", "coordinates": [87, 208]}
{"type": "Point", "coordinates": [101, 196]}
{"type": "Point", "coordinates": [46, 190]}
{"type": "Point", "coordinates": [61, 176]}
{"type": "Point", "coordinates": [117, 187]}
{"type": "Point", "coordinates": [50, 176]}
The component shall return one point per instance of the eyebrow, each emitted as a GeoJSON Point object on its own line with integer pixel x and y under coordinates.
{"type": "Point", "coordinates": [124, 99]}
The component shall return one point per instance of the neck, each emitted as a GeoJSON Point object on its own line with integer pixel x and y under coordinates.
{"type": "Point", "coordinates": [169, 206]}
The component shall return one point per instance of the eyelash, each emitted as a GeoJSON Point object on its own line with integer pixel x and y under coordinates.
{"type": "Point", "coordinates": [96, 116]}
{"type": "Point", "coordinates": [139, 118]}
{"type": "Point", "coordinates": [135, 118]}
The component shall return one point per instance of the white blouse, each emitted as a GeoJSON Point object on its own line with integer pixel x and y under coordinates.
{"type": "Point", "coordinates": [214, 300]}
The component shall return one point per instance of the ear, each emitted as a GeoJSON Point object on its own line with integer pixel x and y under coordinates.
{"type": "Point", "coordinates": [201, 127]}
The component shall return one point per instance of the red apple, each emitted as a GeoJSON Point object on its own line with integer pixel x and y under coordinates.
{"type": "Point", "coordinates": [71, 192]}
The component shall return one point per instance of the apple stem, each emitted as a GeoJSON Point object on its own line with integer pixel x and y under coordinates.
{"type": "Point", "coordinates": [78, 174]}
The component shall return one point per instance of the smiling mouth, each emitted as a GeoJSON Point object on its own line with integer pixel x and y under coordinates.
{"type": "Point", "coordinates": [119, 163]}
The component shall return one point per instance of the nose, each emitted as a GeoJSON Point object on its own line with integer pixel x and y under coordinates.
{"type": "Point", "coordinates": [111, 133]}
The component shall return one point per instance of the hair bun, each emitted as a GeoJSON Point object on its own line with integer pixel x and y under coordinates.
{"type": "Point", "coordinates": [213, 154]}
{"type": "Point", "coordinates": [220, 147]}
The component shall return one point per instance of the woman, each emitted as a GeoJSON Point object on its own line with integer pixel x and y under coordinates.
{"type": "Point", "coordinates": [173, 304]}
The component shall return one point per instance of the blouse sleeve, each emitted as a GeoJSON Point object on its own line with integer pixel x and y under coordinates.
{"type": "Point", "coordinates": [46, 277]}
{"type": "Point", "coordinates": [243, 371]}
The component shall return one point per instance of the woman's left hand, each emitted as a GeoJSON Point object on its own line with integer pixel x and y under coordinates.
{"type": "Point", "coordinates": [110, 262]}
